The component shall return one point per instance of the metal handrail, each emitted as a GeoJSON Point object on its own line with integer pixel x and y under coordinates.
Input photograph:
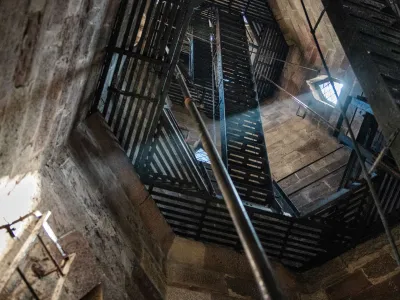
{"type": "Point", "coordinates": [353, 138]}
{"type": "Point", "coordinates": [259, 262]}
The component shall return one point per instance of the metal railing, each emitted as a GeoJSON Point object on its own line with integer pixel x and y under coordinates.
{"type": "Point", "coordinates": [357, 150]}
{"type": "Point", "coordinates": [259, 263]}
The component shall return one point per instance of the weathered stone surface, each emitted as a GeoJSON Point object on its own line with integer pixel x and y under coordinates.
{"type": "Point", "coordinates": [117, 161]}
{"type": "Point", "coordinates": [85, 272]}
{"type": "Point", "coordinates": [243, 266]}
{"type": "Point", "coordinates": [287, 281]}
{"type": "Point", "coordinates": [364, 252]}
{"type": "Point", "coordinates": [175, 293]}
{"type": "Point", "coordinates": [154, 272]}
{"type": "Point", "coordinates": [224, 297]}
{"type": "Point", "coordinates": [31, 34]}
{"type": "Point", "coordinates": [221, 259]}
{"type": "Point", "coordinates": [98, 206]}
{"type": "Point", "coordinates": [324, 275]}
{"type": "Point", "coordinates": [187, 252]}
{"type": "Point", "coordinates": [387, 290]}
{"type": "Point", "coordinates": [156, 224]}
{"type": "Point", "coordinates": [147, 282]}
{"type": "Point", "coordinates": [320, 295]}
{"type": "Point", "coordinates": [192, 277]}
{"type": "Point", "coordinates": [242, 287]}
{"type": "Point", "coordinates": [380, 266]}
{"type": "Point", "coordinates": [348, 286]}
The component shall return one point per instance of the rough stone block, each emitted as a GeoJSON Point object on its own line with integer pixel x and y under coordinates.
{"type": "Point", "coordinates": [189, 276]}
{"type": "Point", "coordinates": [287, 281]}
{"type": "Point", "coordinates": [364, 253]}
{"type": "Point", "coordinates": [243, 266]}
{"type": "Point", "coordinates": [307, 171]}
{"type": "Point", "coordinates": [299, 200]}
{"type": "Point", "coordinates": [323, 276]}
{"type": "Point", "coordinates": [242, 288]}
{"type": "Point", "coordinates": [349, 286]}
{"type": "Point", "coordinates": [145, 285]}
{"type": "Point", "coordinates": [175, 293]}
{"type": "Point", "coordinates": [153, 271]}
{"type": "Point", "coordinates": [289, 181]}
{"type": "Point", "coordinates": [387, 290]}
{"type": "Point", "coordinates": [85, 272]}
{"type": "Point", "coordinates": [320, 295]}
{"type": "Point", "coordinates": [221, 259]}
{"type": "Point", "coordinates": [380, 266]}
{"type": "Point", "coordinates": [187, 251]}
{"type": "Point", "coordinates": [224, 297]}
{"type": "Point", "coordinates": [155, 223]}
{"type": "Point", "coordinates": [117, 159]}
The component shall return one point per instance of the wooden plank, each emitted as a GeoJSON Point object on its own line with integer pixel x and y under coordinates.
{"type": "Point", "coordinates": [23, 251]}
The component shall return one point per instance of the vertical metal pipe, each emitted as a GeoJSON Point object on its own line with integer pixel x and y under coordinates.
{"type": "Point", "coordinates": [221, 91]}
{"type": "Point", "coordinates": [213, 86]}
{"type": "Point", "coordinates": [259, 263]}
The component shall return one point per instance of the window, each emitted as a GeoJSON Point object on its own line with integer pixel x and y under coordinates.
{"type": "Point", "coordinates": [329, 93]}
{"type": "Point", "coordinates": [322, 89]}
{"type": "Point", "coordinates": [202, 156]}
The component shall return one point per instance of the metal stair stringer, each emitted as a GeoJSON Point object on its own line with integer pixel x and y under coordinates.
{"type": "Point", "coordinates": [242, 138]}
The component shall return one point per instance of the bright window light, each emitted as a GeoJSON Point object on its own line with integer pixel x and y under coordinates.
{"type": "Point", "coordinates": [328, 92]}
{"type": "Point", "coordinates": [202, 156]}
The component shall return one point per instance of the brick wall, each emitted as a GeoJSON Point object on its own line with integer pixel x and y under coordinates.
{"type": "Point", "coordinates": [298, 152]}
{"type": "Point", "coordinates": [293, 142]}
{"type": "Point", "coordinates": [291, 19]}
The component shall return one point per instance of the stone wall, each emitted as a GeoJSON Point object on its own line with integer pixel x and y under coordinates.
{"type": "Point", "coordinates": [111, 208]}
{"type": "Point", "coordinates": [293, 142]}
{"type": "Point", "coordinates": [203, 271]}
{"type": "Point", "coordinates": [105, 215]}
{"type": "Point", "coordinates": [291, 19]}
{"type": "Point", "coordinates": [50, 55]}
{"type": "Point", "coordinates": [368, 272]}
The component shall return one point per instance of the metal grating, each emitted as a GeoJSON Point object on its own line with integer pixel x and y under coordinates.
{"type": "Point", "coordinates": [135, 80]}
{"type": "Point", "coordinates": [346, 219]}
{"type": "Point", "coordinates": [170, 161]}
{"type": "Point", "coordinates": [242, 137]}
{"type": "Point", "coordinates": [271, 54]}
{"type": "Point", "coordinates": [370, 35]}
{"type": "Point", "coordinates": [138, 69]}
{"type": "Point", "coordinates": [255, 9]}
{"type": "Point", "coordinates": [297, 243]}
{"type": "Point", "coordinates": [380, 32]}
{"type": "Point", "coordinates": [200, 76]}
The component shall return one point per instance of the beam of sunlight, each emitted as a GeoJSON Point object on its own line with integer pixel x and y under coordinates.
{"type": "Point", "coordinates": [18, 197]}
